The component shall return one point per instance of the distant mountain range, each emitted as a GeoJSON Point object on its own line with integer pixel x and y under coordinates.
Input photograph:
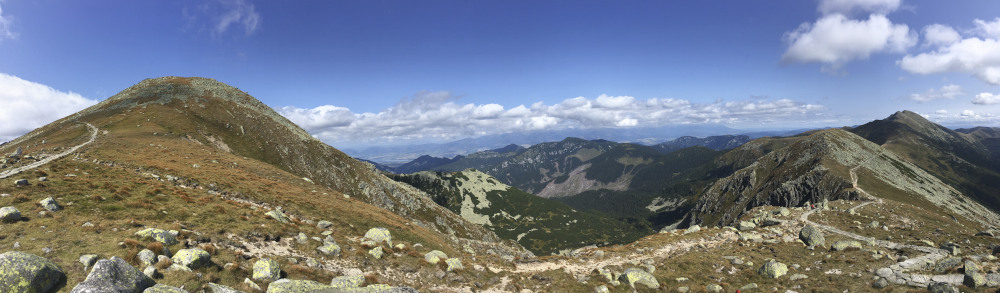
{"type": "Point", "coordinates": [397, 155]}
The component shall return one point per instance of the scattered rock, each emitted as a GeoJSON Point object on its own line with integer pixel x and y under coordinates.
{"type": "Point", "coordinates": [178, 268]}
{"type": "Point", "coordinates": [636, 275]}
{"type": "Point", "coordinates": [939, 287]}
{"type": "Point", "coordinates": [812, 236]}
{"type": "Point", "coordinates": [376, 252]}
{"type": "Point", "coordinates": [773, 269]}
{"type": "Point", "coordinates": [21, 182]}
{"type": "Point", "coordinates": [771, 222]}
{"type": "Point", "coordinates": [952, 248]}
{"type": "Point", "coordinates": [302, 238]}
{"type": "Point", "coordinates": [25, 272]}
{"type": "Point", "coordinates": [745, 226]}
{"type": "Point", "coordinates": [692, 229]}
{"type": "Point", "coordinates": [880, 283]}
{"type": "Point", "coordinates": [286, 285]}
{"type": "Point", "coordinates": [329, 249]}
{"type": "Point", "coordinates": [797, 277]}
{"type": "Point", "coordinates": [151, 272]}
{"type": "Point", "coordinates": [251, 284]}
{"type": "Point", "coordinates": [216, 288]}
{"type": "Point", "coordinates": [379, 235]}
{"type": "Point", "coordinates": [846, 245]}
{"type": "Point", "coordinates": [748, 287]}
{"type": "Point", "coordinates": [88, 260]}
{"type": "Point", "coordinates": [279, 215]}
{"type": "Point", "coordinates": [947, 264]}
{"type": "Point", "coordinates": [147, 257]}
{"type": "Point", "coordinates": [713, 288]}
{"type": "Point", "coordinates": [192, 258]}
{"type": "Point", "coordinates": [454, 264]}
{"type": "Point", "coordinates": [160, 235]}
{"type": "Point", "coordinates": [266, 270]}
{"type": "Point", "coordinates": [352, 281]}
{"type": "Point", "coordinates": [783, 212]}
{"type": "Point", "coordinates": [114, 275]}
{"type": "Point", "coordinates": [751, 236]}
{"type": "Point", "coordinates": [50, 204]}
{"type": "Point", "coordinates": [160, 288]}
{"type": "Point", "coordinates": [9, 214]}
{"type": "Point", "coordinates": [43, 179]}
{"type": "Point", "coordinates": [974, 280]}
{"type": "Point", "coordinates": [601, 289]}
{"type": "Point", "coordinates": [324, 224]}
{"type": "Point", "coordinates": [971, 267]}
{"type": "Point", "coordinates": [434, 256]}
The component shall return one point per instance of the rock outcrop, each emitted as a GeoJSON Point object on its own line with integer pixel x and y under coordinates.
{"type": "Point", "coordinates": [114, 275]}
{"type": "Point", "coordinates": [25, 272]}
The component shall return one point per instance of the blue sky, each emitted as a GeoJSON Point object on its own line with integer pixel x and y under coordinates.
{"type": "Point", "coordinates": [376, 72]}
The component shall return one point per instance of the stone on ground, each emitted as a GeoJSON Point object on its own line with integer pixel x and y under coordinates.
{"type": "Point", "coordinates": [324, 224]}
{"type": "Point", "coordinates": [640, 276]}
{"type": "Point", "coordinates": [216, 288]}
{"type": "Point", "coordinates": [941, 288]}
{"type": "Point", "coordinates": [846, 245]}
{"type": "Point", "coordinates": [160, 235]}
{"type": "Point", "coordinates": [773, 269]}
{"type": "Point", "coordinates": [329, 248]}
{"type": "Point", "coordinates": [454, 264]}
{"type": "Point", "coordinates": [434, 256]}
{"type": "Point", "coordinates": [812, 236]}
{"type": "Point", "coordinates": [352, 281]}
{"type": "Point", "coordinates": [379, 235]}
{"type": "Point", "coordinates": [25, 272]}
{"type": "Point", "coordinates": [278, 215]}
{"type": "Point", "coordinates": [192, 258]}
{"type": "Point", "coordinates": [9, 214]}
{"type": "Point", "coordinates": [114, 275]}
{"type": "Point", "coordinates": [50, 204]}
{"type": "Point", "coordinates": [745, 226]}
{"type": "Point", "coordinates": [147, 257]}
{"type": "Point", "coordinates": [160, 288]}
{"type": "Point", "coordinates": [266, 270]}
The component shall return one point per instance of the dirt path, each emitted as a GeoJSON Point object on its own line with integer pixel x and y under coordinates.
{"type": "Point", "coordinates": [14, 171]}
{"type": "Point", "coordinates": [896, 273]}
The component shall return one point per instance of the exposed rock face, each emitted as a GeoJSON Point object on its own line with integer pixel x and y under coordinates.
{"type": "Point", "coordinates": [812, 236]}
{"type": "Point", "coordinates": [25, 272]}
{"type": "Point", "coordinates": [114, 275]}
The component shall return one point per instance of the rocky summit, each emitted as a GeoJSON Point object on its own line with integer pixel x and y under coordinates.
{"type": "Point", "coordinates": [190, 185]}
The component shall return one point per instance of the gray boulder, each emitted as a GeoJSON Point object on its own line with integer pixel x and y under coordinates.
{"type": "Point", "coordinates": [324, 224]}
{"type": "Point", "coordinates": [846, 245]}
{"type": "Point", "coordinates": [278, 215]}
{"type": "Point", "coordinates": [266, 270]}
{"type": "Point", "coordinates": [164, 236]}
{"type": "Point", "coordinates": [812, 236]}
{"type": "Point", "coordinates": [21, 182]}
{"type": "Point", "coordinates": [633, 276]}
{"type": "Point", "coordinates": [379, 235]}
{"type": "Point", "coordinates": [286, 285]}
{"type": "Point", "coordinates": [160, 288]}
{"type": "Point", "coordinates": [216, 288]}
{"type": "Point", "coordinates": [192, 258]}
{"type": "Point", "coordinates": [50, 204]}
{"type": "Point", "coordinates": [25, 272]}
{"type": "Point", "coordinates": [9, 214]}
{"type": "Point", "coordinates": [112, 276]}
{"type": "Point", "coordinates": [940, 287]}
{"type": "Point", "coordinates": [147, 257]}
{"type": "Point", "coordinates": [745, 226]}
{"type": "Point", "coordinates": [773, 269]}
{"type": "Point", "coordinates": [329, 248]}
{"type": "Point", "coordinates": [88, 260]}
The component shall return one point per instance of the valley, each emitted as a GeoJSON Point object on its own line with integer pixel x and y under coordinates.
{"type": "Point", "coordinates": [191, 185]}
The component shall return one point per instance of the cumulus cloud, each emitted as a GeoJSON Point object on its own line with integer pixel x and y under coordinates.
{"type": "Point", "coordinates": [835, 39]}
{"type": "Point", "coordinates": [440, 116]}
{"type": "Point", "coordinates": [29, 105]}
{"type": "Point", "coordinates": [978, 55]}
{"type": "Point", "coordinates": [220, 16]}
{"type": "Point", "coordinates": [946, 92]}
{"type": "Point", "coordinates": [849, 6]}
{"type": "Point", "coordinates": [986, 99]}
{"type": "Point", "coordinates": [5, 31]}
{"type": "Point", "coordinates": [939, 34]}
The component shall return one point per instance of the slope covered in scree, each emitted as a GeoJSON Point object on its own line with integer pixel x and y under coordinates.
{"type": "Point", "coordinates": [209, 161]}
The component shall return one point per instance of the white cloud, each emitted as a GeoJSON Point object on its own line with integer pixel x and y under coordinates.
{"type": "Point", "coordinates": [849, 6]}
{"type": "Point", "coordinates": [939, 35]}
{"type": "Point", "coordinates": [439, 116]}
{"type": "Point", "coordinates": [222, 16]}
{"type": "Point", "coordinates": [968, 113]}
{"type": "Point", "coordinates": [988, 29]}
{"type": "Point", "coordinates": [986, 99]}
{"type": "Point", "coordinates": [5, 31]}
{"type": "Point", "coordinates": [29, 105]}
{"type": "Point", "coordinates": [946, 92]}
{"type": "Point", "coordinates": [834, 40]}
{"type": "Point", "coordinates": [941, 112]}
{"type": "Point", "coordinates": [978, 56]}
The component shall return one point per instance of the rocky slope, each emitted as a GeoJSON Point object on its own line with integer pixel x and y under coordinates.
{"type": "Point", "coordinates": [815, 169]}
{"type": "Point", "coordinates": [720, 142]}
{"type": "Point", "coordinates": [228, 176]}
{"type": "Point", "coordinates": [541, 225]}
